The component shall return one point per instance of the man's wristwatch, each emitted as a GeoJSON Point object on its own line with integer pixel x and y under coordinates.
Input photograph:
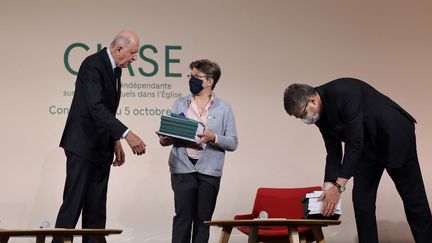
{"type": "Point", "coordinates": [339, 187]}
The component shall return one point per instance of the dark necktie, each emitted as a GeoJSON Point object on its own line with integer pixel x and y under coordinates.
{"type": "Point", "coordinates": [117, 73]}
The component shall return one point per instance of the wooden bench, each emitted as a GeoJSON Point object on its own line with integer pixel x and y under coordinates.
{"type": "Point", "coordinates": [65, 234]}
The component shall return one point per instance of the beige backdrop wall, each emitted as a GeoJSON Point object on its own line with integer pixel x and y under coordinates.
{"type": "Point", "coordinates": [262, 46]}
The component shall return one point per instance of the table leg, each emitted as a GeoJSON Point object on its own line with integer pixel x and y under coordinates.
{"type": "Point", "coordinates": [293, 234]}
{"type": "Point", "coordinates": [40, 238]}
{"type": "Point", "coordinates": [318, 234]}
{"type": "Point", "coordinates": [303, 239]}
{"type": "Point", "coordinates": [253, 234]}
{"type": "Point", "coordinates": [67, 239]}
{"type": "Point", "coordinates": [4, 239]}
{"type": "Point", "coordinates": [225, 234]}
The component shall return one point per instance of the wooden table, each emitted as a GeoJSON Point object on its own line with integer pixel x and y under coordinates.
{"type": "Point", "coordinates": [65, 234]}
{"type": "Point", "coordinates": [292, 224]}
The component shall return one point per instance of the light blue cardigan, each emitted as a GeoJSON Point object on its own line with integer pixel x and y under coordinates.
{"type": "Point", "coordinates": [221, 121]}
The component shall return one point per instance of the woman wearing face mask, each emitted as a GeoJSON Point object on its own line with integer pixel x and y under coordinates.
{"type": "Point", "coordinates": [196, 170]}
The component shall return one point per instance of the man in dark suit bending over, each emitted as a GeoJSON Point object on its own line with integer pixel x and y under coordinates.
{"type": "Point", "coordinates": [92, 134]}
{"type": "Point", "coordinates": [378, 134]}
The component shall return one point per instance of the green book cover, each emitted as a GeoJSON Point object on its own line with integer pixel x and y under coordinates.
{"type": "Point", "coordinates": [180, 120]}
{"type": "Point", "coordinates": [181, 127]}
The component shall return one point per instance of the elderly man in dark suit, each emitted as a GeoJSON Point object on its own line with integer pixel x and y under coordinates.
{"type": "Point", "coordinates": [92, 134]}
{"type": "Point", "coordinates": [377, 134]}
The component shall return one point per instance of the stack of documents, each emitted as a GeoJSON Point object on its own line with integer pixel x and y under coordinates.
{"type": "Point", "coordinates": [312, 207]}
{"type": "Point", "coordinates": [179, 126]}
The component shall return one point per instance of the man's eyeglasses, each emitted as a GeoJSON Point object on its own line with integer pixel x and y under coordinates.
{"type": "Point", "coordinates": [190, 75]}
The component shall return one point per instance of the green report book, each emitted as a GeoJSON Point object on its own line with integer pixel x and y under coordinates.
{"type": "Point", "coordinates": [180, 127]}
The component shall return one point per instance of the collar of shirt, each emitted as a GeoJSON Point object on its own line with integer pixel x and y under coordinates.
{"type": "Point", "coordinates": [189, 99]}
{"type": "Point", "coordinates": [113, 65]}
{"type": "Point", "coordinates": [194, 113]}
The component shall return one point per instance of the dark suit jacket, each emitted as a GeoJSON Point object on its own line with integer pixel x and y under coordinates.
{"type": "Point", "coordinates": [370, 124]}
{"type": "Point", "coordinates": [91, 127]}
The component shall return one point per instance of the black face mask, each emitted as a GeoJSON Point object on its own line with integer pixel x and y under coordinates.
{"type": "Point", "coordinates": [195, 85]}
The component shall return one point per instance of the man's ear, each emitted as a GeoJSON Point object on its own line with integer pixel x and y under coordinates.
{"type": "Point", "coordinates": [314, 99]}
{"type": "Point", "coordinates": [317, 102]}
{"type": "Point", "coordinates": [118, 49]}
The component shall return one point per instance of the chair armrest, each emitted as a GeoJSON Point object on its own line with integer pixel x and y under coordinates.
{"type": "Point", "coordinates": [244, 216]}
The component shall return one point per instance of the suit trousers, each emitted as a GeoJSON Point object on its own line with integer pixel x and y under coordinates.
{"type": "Point", "coordinates": [85, 191]}
{"type": "Point", "coordinates": [195, 197]}
{"type": "Point", "coordinates": [409, 184]}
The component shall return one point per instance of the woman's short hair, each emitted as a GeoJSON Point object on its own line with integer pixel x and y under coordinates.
{"type": "Point", "coordinates": [211, 69]}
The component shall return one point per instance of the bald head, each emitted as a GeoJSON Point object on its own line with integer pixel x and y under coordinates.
{"type": "Point", "coordinates": [124, 48]}
{"type": "Point", "coordinates": [125, 38]}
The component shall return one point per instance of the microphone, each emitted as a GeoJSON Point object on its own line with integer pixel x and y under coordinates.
{"type": "Point", "coordinates": [44, 224]}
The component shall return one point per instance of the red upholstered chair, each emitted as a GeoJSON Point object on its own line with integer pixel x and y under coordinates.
{"type": "Point", "coordinates": [279, 203]}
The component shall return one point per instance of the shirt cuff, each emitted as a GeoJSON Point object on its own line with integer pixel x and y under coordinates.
{"type": "Point", "coordinates": [215, 138]}
{"type": "Point", "coordinates": [125, 133]}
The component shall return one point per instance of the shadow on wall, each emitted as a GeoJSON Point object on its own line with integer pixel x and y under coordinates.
{"type": "Point", "coordinates": [394, 232]}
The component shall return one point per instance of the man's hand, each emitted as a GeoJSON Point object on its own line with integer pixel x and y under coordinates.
{"type": "Point", "coordinates": [331, 196]}
{"type": "Point", "coordinates": [330, 199]}
{"type": "Point", "coordinates": [137, 145]}
{"type": "Point", "coordinates": [327, 185]}
{"type": "Point", "coordinates": [120, 157]}
{"type": "Point", "coordinates": [206, 136]}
